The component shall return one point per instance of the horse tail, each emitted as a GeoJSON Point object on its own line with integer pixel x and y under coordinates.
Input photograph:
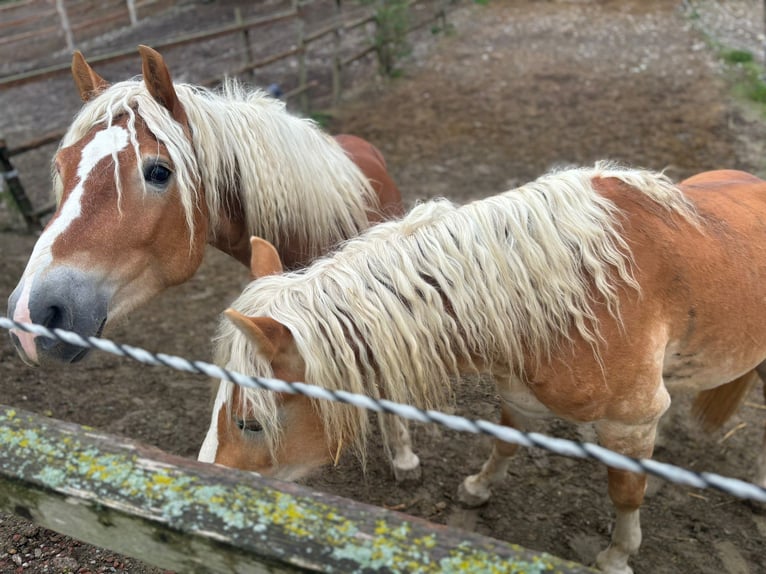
{"type": "Point", "coordinates": [713, 407]}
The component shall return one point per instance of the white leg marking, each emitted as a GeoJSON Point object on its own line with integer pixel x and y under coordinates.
{"type": "Point", "coordinates": [476, 489]}
{"type": "Point", "coordinates": [105, 143]}
{"type": "Point", "coordinates": [406, 462]}
{"type": "Point", "coordinates": [209, 448]}
{"type": "Point", "coordinates": [626, 539]}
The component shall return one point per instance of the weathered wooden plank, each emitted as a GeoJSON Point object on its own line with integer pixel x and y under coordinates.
{"type": "Point", "coordinates": [192, 517]}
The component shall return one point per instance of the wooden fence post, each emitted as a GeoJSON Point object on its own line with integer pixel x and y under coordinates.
{"type": "Point", "coordinates": [337, 66]}
{"type": "Point", "coordinates": [246, 40]}
{"type": "Point", "coordinates": [16, 190]}
{"type": "Point", "coordinates": [303, 102]}
{"type": "Point", "coordinates": [132, 12]}
{"type": "Point", "coordinates": [443, 15]}
{"type": "Point", "coordinates": [61, 9]}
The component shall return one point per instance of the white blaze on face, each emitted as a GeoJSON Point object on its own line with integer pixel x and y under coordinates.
{"type": "Point", "coordinates": [105, 143]}
{"type": "Point", "coordinates": [210, 445]}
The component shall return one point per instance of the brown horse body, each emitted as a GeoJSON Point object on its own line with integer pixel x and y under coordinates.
{"type": "Point", "coordinates": [698, 312]}
{"type": "Point", "coordinates": [695, 324]}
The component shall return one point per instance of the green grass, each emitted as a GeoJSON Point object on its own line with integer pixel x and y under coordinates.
{"type": "Point", "coordinates": [749, 80]}
{"type": "Point", "coordinates": [738, 56]}
{"type": "Point", "coordinates": [322, 118]}
{"type": "Point", "coordinates": [758, 91]}
{"type": "Point", "coordinates": [748, 77]}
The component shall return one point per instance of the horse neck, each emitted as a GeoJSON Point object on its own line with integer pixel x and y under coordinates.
{"type": "Point", "coordinates": [282, 180]}
{"type": "Point", "coordinates": [232, 237]}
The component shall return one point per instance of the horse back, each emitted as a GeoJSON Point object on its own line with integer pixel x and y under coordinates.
{"type": "Point", "coordinates": [372, 164]}
{"type": "Point", "coordinates": [720, 177]}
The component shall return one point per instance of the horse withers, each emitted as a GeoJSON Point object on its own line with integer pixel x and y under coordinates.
{"type": "Point", "coordinates": [150, 171]}
{"type": "Point", "coordinates": [589, 294]}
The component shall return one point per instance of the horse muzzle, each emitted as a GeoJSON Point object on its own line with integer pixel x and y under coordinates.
{"type": "Point", "coordinates": [62, 298]}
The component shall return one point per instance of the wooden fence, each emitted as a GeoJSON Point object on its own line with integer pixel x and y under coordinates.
{"type": "Point", "coordinates": [60, 24]}
{"type": "Point", "coordinates": [190, 517]}
{"type": "Point", "coordinates": [340, 24]}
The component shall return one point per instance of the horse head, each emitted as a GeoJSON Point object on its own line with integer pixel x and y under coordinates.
{"type": "Point", "coordinates": [123, 230]}
{"type": "Point", "coordinates": [242, 433]}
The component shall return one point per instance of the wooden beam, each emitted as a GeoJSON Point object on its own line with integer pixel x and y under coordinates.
{"type": "Point", "coordinates": [58, 69]}
{"type": "Point", "coordinates": [188, 516]}
{"type": "Point", "coordinates": [45, 139]}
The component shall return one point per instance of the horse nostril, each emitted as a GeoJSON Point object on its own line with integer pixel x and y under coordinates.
{"type": "Point", "coordinates": [53, 318]}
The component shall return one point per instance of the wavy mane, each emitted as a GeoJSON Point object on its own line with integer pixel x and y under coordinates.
{"type": "Point", "coordinates": [293, 179]}
{"type": "Point", "coordinates": [395, 311]}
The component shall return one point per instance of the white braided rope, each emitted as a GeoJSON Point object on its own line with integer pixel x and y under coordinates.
{"type": "Point", "coordinates": [669, 472]}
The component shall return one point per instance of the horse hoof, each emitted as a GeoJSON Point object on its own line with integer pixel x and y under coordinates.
{"type": "Point", "coordinates": [605, 562]}
{"type": "Point", "coordinates": [471, 495]}
{"type": "Point", "coordinates": [407, 474]}
{"type": "Point", "coordinates": [407, 470]}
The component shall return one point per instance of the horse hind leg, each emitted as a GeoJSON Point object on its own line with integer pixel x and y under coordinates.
{"type": "Point", "coordinates": [713, 407]}
{"type": "Point", "coordinates": [476, 489]}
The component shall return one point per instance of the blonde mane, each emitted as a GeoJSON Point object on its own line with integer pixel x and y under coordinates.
{"type": "Point", "coordinates": [394, 312]}
{"type": "Point", "coordinates": [291, 179]}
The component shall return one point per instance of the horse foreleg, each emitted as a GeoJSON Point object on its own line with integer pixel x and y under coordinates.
{"type": "Point", "coordinates": [405, 462]}
{"type": "Point", "coordinates": [626, 490]}
{"type": "Point", "coordinates": [476, 489]}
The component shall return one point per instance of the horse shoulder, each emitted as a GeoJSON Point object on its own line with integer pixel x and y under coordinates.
{"type": "Point", "coordinates": [622, 383]}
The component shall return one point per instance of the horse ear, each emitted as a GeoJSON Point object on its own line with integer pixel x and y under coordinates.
{"type": "Point", "coordinates": [88, 82]}
{"type": "Point", "coordinates": [269, 335]}
{"type": "Point", "coordinates": [264, 259]}
{"type": "Point", "coordinates": [158, 82]}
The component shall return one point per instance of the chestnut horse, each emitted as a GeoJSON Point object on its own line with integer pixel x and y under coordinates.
{"type": "Point", "coordinates": [149, 172]}
{"type": "Point", "coordinates": [589, 294]}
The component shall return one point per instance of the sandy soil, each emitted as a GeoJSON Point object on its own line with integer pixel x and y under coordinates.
{"type": "Point", "coordinates": [517, 88]}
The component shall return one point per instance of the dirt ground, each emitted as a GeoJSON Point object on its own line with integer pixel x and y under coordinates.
{"type": "Point", "coordinates": [517, 88]}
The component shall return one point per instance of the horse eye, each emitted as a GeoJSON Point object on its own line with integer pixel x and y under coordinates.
{"type": "Point", "coordinates": [157, 174]}
{"type": "Point", "coordinates": [249, 425]}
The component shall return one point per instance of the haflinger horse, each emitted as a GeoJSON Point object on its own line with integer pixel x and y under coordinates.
{"type": "Point", "coordinates": [590, 294]}
{"type": "Point", "coordinates": [150, 171]}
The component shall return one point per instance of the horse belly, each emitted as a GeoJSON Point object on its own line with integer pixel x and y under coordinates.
{"type": "Point", "coordinates": [700, 369]}
{"type": "Point", "coordinates": [520, 398]}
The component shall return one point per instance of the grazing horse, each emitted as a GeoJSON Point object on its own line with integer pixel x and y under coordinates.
{"type": "Point", "coordinates": [588, 294]}
{"type": "Point", "coordinates": [151, 171]}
